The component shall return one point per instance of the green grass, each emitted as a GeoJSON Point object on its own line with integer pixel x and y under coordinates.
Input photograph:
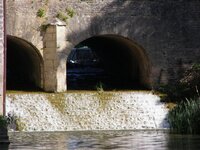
{"type": "Point", "coordinates": [185, 117]}
{"type": "Point", "coordinates": [62, 16]}
{"type": "Point", "coordinates": [70, 12]}
{"type": "Point", "coordinates": [41, 13]}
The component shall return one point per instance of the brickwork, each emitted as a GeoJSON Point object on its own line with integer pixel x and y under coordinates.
{"type": "Point", "coordinates": [49, 59]}
{"type": "Point", "coordinates": [54, 69]}
{"type": "Point", "coordinates": [167, 30]}
{"type": "Point", "coordinates": [1, 55]}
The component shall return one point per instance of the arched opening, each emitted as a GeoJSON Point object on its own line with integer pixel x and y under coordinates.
{"type": "Point", "coordinates": [24, 65]}
{"type": "Point", "coordinates": [123, 62]}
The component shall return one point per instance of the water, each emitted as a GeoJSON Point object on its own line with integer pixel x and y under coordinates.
{"type": "Point", "coordinates": [120, 110]}
{"type": "Point", "coordinates": [100, 140]}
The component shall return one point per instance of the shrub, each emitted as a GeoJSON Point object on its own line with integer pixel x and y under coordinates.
{"type": "Point", "coordinates": [175, 93]}
{"type": "Point", "coordinates": [191, 80]}
{"type": "Point", "coordinates": [187, 87]}
{"type": "Point", "coordinates": [185, 117]}
{"type": "Point", "coordinates": [3, 121]}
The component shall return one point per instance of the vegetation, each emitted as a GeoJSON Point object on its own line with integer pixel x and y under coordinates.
{"type": "Point", "coordinates": [62, 16]}
{"type": "Point", "coordinates": [11, 122]}
{"type": "Point", "coordinates": [44, 27]}
{"type": "Point", "coordinates": [3, 122]}
{"type": "Point", "coordinates": [187, 87]}
{"type": "Point", "coordinates": [58, 101]}
{"type": "Point", "coordinates": [185, 117]}
{"type": "Point", "coordinates": [41, 13]}
{"type": "Point", "coordinates": [100, 87]}
{"type": "Point", "coordinates": [70, 12]}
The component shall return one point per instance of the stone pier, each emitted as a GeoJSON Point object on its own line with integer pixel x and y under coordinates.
{"type": "Point", "coordinates": [54, 66]}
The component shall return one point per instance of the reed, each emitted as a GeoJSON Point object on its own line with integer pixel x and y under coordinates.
{"type": "Point", "coordinates": [185, 117]}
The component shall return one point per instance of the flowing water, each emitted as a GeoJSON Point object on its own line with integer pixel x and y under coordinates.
{"type": "Point", "coordinates": [122, 112]}
{"type": "Point", "coordinates": [75, 111]}
{"type": "Point", "coordinates": [100, 140]}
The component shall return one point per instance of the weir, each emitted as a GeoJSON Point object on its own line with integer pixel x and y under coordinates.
{"type": "Point", "coordinates": [91, 110]}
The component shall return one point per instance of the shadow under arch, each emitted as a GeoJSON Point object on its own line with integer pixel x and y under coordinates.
{"type": "Point", "coordinates": [123, 59]}
{"type": "Point", "coordinates": [24, 65]}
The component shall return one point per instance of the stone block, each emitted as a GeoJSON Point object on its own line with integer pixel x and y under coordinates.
{"type": "Point", "coordinates": [51, 44]}
{"type": "Point", "coordinates": [61, 33]}
{"type": "Point", "coordinates": [49, 62]}
{"type": "Point", "coordinates": [51, 29]}
{"type": "Point", "coordinates": [50, 37]}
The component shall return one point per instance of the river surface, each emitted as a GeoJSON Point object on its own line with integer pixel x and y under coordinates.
{"type": "Point", "coordinates": [100, 140]}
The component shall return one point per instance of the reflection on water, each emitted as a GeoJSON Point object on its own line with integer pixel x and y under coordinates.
{"type": "Point", "coordinates": [100, 140]}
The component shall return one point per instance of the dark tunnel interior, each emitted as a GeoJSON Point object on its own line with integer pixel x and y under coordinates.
{"type": "Point", "coordinates": [23, 65]}
{"type": "Point", "coordinates": [124, 63]}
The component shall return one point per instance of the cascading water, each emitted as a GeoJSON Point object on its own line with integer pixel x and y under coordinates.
{"type": "Point", "coordinates": [87, 111]}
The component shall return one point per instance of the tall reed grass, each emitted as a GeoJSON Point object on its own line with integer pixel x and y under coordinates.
{"type": "Point", "coordinates": [185, 117]}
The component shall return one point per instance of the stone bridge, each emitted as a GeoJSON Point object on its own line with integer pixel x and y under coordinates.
{"type": "Point", "coordinates": [150, 41]}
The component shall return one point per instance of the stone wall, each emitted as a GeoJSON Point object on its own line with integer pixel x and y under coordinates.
{"type": "Point", "coordinates": [1, 54]}
{"type": "Point", "coordinates": [167, 30]}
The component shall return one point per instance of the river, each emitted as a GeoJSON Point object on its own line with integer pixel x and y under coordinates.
{"type": "Point", "coordinates": [100, 140]}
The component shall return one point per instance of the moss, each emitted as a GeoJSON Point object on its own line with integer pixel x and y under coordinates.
{"type": "Point", "coordinates": [24, 92]}
{"type": "Point", "coordinates": [170, 105]}
{"type": "Point", "coordinates": [58, 101]}
{"type": "Point", "coordinates": [103, 98]}
{"type": "Point", "coordinates": [44, 27]}
{"type": "Point", "coordinates": [46, 2]}
{"type": "Point", "coordinates": [20, 125]}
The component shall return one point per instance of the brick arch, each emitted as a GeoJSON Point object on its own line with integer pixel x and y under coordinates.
{"type": "Point", "coordinates": [132, 54]}
{"type": "Point", "coordinates": [24, 65]}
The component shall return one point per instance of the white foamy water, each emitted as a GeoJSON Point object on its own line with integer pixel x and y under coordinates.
{"type": "Point", "coordinates": [88, 111]}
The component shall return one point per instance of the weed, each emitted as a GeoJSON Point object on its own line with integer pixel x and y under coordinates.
{"type": "Point", "coordinates": [44, 27]}
{"type": "Point", "coordinates": [41, 13]}
{"type": "Point", "coordinates": [70, 12]}
{"type": "Point", "coordinates": [100, 87]}
{"type": "Point", "coordinates": [62, 16]}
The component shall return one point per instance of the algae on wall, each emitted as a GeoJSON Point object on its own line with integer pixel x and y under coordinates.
{"type": "Point", "coordinates": [86, 111]}
{"type": "Point", "coordinates": [103, 98]}
{"type": "Point", "coordinates": [58, 101]}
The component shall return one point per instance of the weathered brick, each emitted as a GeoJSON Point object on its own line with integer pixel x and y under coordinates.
{"type": "Point", "coordinates": [168, 30]}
